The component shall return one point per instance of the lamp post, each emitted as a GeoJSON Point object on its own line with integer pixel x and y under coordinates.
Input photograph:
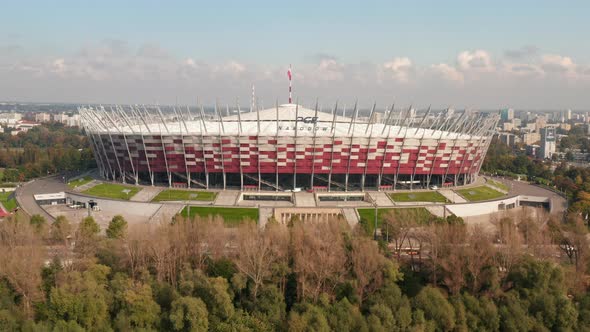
{"type": "Point", "coordinates": [375, 228]}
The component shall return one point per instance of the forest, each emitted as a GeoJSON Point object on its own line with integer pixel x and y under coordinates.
{"type": "Point", "coordinates": [43, 150]}
{"type": "Point", "coordinates": [527, 274]}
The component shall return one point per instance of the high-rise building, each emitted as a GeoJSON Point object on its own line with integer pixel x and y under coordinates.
{"type": "Point", "coordinates": [508, 139]}
{"type": "Point", "coordinates": [540, 123]}
{"type": "Point", "coordinates": [42, 117]}
{"type": "Point", "coordinates": [507, 114]}
{"type": "Point", "coordinates": [547, 142]}
{"type": "Point", "coordinates": [531, 138]}
{"type": "Point", "coordinates": [567, 115]}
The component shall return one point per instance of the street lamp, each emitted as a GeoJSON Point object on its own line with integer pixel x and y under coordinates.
{"type": "Point", "coordinates": [374, 202]}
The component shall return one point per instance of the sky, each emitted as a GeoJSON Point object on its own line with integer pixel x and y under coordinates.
{"type": "Point", "coordinates": [475, 54]}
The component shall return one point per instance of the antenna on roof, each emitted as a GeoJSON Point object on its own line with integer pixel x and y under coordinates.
{"type": "Point", "coordinates": [290, 79]}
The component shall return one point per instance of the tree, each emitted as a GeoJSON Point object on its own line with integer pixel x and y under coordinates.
{"type": "Point", "coordinates": [189, 314]}
{"type": "Point", "coordinates": [259, 251]}
{"type": "Point", "coordinates": [478, 256]}
{"type": "Point", "coordinates": [343, 316]}
{"type": "Point", "coordinates": [21, 259]}
{"type": "Point", "coordinates": [437, 310]}
{"type": "Point", "coordinates": [81, 297]}
{"type": "Point", "coordinates": [86, 236]}
{"type": "Point", "coordinates": [319, 256]}
{"type": "Point", "coordinates": [138, 310]}
{"type": "Point", "coordinates": [60, 230]}
{"type": "Point", "coordinates": [388, 309]}
{"type": "Point", "coordinates": [367, 264]}
{"type": "Point", "coordinates": [38, 222]}
{"type": "Point", "coordinates": [308, 317]}
{"type": "Point", "coordinates": [117, 228]}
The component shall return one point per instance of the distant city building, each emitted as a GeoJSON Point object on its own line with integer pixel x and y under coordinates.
{"type": "Point", "coordinates": [60, 117]}
{"type": "Point", "coordinates": [567, 115]}
{"type": "Point", "coordinates": [507, 114]}
{"type": "Point", "coordinates": [10, 118]}
{"type": "Point", "coordinates": [508, 139]}
{"type": "Point", "coordinates": [565, 126]}
{"type": "Point", "coordinates": [507, 126]}
{"type": "Point", "coordinates": [533, 150]}
{"type": "Point", "coordinates": [42, 117]}
{"type": "Point", "coordinates": [530, 127]}
{"type": "Point", "coordinates": [540, 123]}
{"type": "Point", "coordinates": [531, 138]}
{"type": "Point", "coordinates": [548, 142]}
{"type": "Point", "coordinates": [69, 120]}
{"type": "Point", "coordinates": [517, 122]}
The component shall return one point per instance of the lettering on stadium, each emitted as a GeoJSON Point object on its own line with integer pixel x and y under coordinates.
{"type": "Point", "coordinates": [307, 120]}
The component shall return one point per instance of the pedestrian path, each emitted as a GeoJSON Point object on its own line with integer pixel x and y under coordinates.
{"type": "Point", "coordinates": [452, 196]}
{"type": "Point", "coordinates": [146, 194]}
{"type": "Point", "coordinates": [381, 198]}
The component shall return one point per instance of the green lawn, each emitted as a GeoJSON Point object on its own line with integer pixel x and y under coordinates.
{"type": "Point", "coordinates": [231, 216]}
{"type": "Point", "coordinates": [9, 204]}
{"type": "Point", "coordinates": [498, 185]}
{"type": "Point", "coordinates": [420, 196]}
{"type": "Point", "coordinates": [184, 195]}
{"type": "Point", "coordinates": [367, 216]}
{"type": "Point", "coordinates": [112, 190]}
{"type": "Point", "coordinates": [79, 182]}
{"type": "Point", "coordinates": [479, 193]}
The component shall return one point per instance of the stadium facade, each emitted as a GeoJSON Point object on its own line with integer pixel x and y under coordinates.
{"type": "Point", "coordinates": [289, 147]}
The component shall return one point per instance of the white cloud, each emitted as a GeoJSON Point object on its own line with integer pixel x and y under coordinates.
{"type": "Point", "coordinates": [399, 68]}
{"type": "Point", "coordinates": [112, 71]}
{"type": "Point", "coordinates": [478, 60]}
{"type": "Point", "coordinates": [558, 64]}
{"type": "Point", "coordinates": [523, 69]}
{"type": "Point", "coordinates": [329, 70]}
{"type": "Point", "coordinates": [447, 72]}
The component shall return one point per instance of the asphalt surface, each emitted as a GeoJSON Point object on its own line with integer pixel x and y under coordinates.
{"type": "Point", "coordinates": [558, 203]}
{"type": "Point", "coordinates": [24, 194]}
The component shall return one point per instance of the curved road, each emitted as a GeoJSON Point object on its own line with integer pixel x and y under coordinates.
{"type": "Point", "coordinates": [558, 202]}
{"type": "Point", "coordinates": [24, 194]}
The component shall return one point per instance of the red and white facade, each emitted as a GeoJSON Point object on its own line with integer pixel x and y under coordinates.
{"type": "Point", "coordinates": [289, 147]}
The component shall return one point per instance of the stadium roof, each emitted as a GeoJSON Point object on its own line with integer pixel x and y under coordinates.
{"type": "Point", "coordinates": [292, 120]}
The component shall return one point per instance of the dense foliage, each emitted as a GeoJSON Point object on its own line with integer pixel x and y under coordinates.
{"type": "Point", "coordinates": [196, 275]}
{"type": "Point", "coordinates": [44, 150]}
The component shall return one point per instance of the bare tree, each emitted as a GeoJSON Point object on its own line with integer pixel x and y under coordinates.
{"type": "Point", "coordinates": [21, 259]}
{"type": "Point", "coordinates": [510, 244]}
{"type": "Point", "coordinates": [367, 265]}
{"type": "Point", "coordinates": [453, 257]}
{"type": "Point", "coordinates": [478, 255]}
{"type": "Point", "coordinates": [257, 251]}
{"type": "Point", "coordinates": [319, 256]}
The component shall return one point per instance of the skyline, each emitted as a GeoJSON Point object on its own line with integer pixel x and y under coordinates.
{"type": "Point", "coordinates": [526, 56]}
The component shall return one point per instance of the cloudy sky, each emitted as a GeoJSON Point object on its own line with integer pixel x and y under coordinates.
{"type": "Point", "coordinates": [492, 54]}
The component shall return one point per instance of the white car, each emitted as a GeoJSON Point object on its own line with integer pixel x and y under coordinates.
{"type": "Point", "coordinates": [434, 187]}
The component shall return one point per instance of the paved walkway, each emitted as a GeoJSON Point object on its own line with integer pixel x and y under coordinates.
{"type": "Point", "coordinates": [452, 196]}
{"type": "Point", "coordinates": [227, 198]}
{"type": "Point", "coordinates": [263, 215]}
{"type": "Point", "coordinates": [166, 212]}
{"type": "Point", "coordinates": [381, 198]}
{"type": "Point", "coordinates": [86, 186]}
{"type": "Point", "coordinates": [438, 211]}
{"type": "Point", "coordinates": [305, 199]}
{"type": "Point", "coordinates": [146, 194]}
{"type": "Point", "coordinates": [351, 216]}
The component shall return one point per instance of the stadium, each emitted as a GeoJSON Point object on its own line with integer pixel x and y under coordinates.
{"type": "Point", "coordinates": [288, 147]}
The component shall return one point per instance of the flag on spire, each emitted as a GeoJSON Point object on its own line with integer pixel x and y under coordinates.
{"type": "Point", "coordinates": [289, 74]}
